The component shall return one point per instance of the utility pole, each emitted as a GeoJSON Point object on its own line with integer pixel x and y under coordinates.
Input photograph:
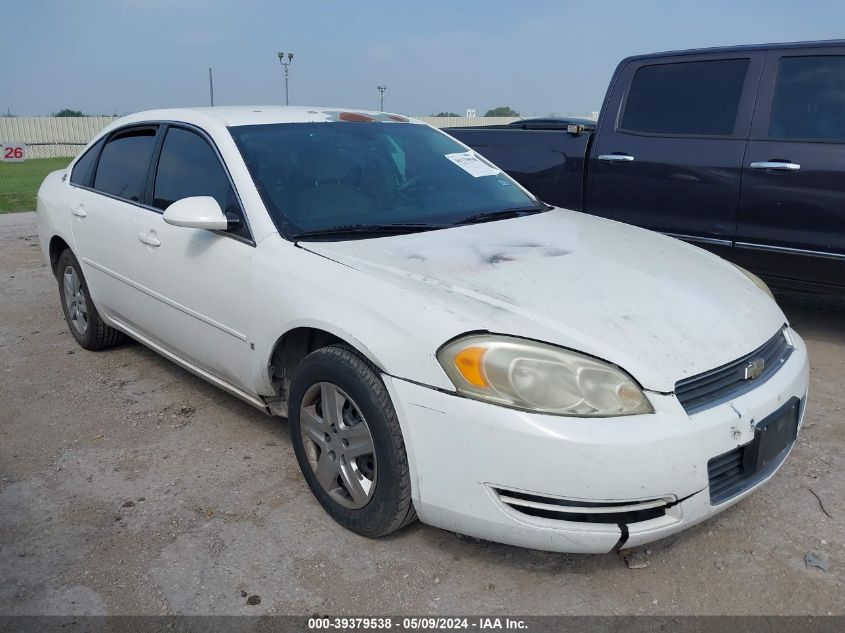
{"type": "Point", "coordinates": [211, 86]}
{"type": "Point", "coordinates": [381, 91]}
{"type": "Point", "coordinates": [285, 65]}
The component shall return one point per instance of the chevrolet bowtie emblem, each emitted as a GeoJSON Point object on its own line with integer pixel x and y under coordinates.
{"type": "Point", "coordinates": [754, 368]}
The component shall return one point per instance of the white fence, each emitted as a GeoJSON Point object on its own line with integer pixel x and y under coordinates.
{"type": "Point", "coordinates": [462, 121]}
{"type": "Point", "coordinates": [47, 137]}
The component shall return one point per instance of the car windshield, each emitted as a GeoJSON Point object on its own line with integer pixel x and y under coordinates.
{"type": "Point", "coordinates": [340, 178]}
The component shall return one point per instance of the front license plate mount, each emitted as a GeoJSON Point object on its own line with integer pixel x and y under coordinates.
{"type": "Point", "coordinates": [772, 436]}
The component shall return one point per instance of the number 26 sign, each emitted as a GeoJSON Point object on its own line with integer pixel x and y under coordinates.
{"type": "Point", "coordinates": [12, 152]}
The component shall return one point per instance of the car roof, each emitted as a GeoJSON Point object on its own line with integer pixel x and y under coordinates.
{"type": "Point", "coordinates": [741, 48]}
{"type": "Point", "coordinates": [232, 116]}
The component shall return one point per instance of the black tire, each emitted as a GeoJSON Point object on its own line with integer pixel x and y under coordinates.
{"type": "Point", "coordinates": [389, 507]}
{"type": "Point", "coordinates": [98, 335]}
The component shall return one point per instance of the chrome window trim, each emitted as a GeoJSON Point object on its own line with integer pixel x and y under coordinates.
{"type": "Point", "coordinates": [696, 238]}
{"type": "Point", "coordinates": [758, 247]}
{"type": "Point", "coordinates": [790, 250]}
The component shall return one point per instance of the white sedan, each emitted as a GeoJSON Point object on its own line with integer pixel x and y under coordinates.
{"type": "Point", "coordinates": [443, 344]}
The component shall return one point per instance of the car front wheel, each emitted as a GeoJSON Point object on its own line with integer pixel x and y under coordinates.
{"type": "Point", "coordinates": [348, 443]}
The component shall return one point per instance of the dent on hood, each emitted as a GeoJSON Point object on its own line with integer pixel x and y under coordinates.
{"type": "Point", "coordinates": [454, 259]}
{"type": "Point", "coordinates": [661, 309]}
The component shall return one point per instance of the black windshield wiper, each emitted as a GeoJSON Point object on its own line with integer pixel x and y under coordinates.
{"type": "Point", "coordinates": [501, 214]}
{"type": "Point", "coordinates": [371, 229]}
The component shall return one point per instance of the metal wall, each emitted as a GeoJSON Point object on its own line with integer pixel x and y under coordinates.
{"type": "Point", "coordinates": [47, 137]}
{"type": "Point", "coordinates": [462, 121]}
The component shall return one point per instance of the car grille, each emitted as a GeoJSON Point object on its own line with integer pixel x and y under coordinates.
{"type": "Point", "coordinates": [726, 475]}
{"type": "Point", "coordinates": [728, 381]}
{"type": "Point", "coordinates": [583, 511]}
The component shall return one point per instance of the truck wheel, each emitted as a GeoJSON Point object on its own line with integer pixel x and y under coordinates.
{"type": "Point", "coordinates": [348, 443]}
{"type": "Point", "coordinates": [81, 315]}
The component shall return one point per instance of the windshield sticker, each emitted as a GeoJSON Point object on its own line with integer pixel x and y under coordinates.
{"type": "Point", "coordinates": [470, 163]}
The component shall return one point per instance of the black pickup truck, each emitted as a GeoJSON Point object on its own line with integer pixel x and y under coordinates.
{"type": "Point", "coordinates": [738, 150]}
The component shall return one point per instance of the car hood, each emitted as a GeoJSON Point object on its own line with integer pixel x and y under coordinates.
{"type": "Point", "coordinates": [659, 308]}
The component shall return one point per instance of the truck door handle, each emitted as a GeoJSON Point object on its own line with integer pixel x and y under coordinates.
{"type": "Point", "coordinates": [616, 158]}
{"type": "Point", "coordinates": [78, 211]}
{"type": "Point", "coordinates": [149, 239]}
{"type": "Point", "coordinates": [776, 165]}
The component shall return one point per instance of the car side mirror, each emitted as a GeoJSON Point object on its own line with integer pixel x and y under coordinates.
{"type": "Point", "coordinates": [197, 212]}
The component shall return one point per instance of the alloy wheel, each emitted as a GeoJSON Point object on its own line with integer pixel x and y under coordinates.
{"type": "Point", "coordinates": [77, 308]}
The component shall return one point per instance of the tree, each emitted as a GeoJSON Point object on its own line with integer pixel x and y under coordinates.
{"type": "Point", "coordinates": [68, 112]}
{"type": "Point", "coordinates": [502, 111]}
{"type": "Point", "coordinates": [445, 114]}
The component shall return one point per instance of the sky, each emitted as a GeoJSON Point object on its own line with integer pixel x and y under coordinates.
{"type": "Point", "coordinates": [539, 58]}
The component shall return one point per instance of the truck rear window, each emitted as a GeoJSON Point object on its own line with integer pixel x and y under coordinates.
{"type": "Point", "coordinates": [809, 101]}
{"type": "Point", "coordinates": [687, 98]}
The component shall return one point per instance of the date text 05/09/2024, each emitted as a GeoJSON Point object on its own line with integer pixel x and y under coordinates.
{"type": "Point", "coordinates": [416, 623]}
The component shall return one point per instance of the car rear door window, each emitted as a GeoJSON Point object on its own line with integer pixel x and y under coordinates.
{"type": "Point", "coordinates": [122, 169]}
{"type": "Point", "coordinates": [188, 166]}
{"type": "Point", "coordinates": [809, 99]}
{"type": "Point", "coordinates": [699, 98]}
{"type": "Point", "coordinates": [83, 170]}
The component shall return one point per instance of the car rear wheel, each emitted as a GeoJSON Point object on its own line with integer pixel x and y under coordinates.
{"type": "Point", "coordinates": [348, 443]}
{"type": "Point", "coordinates": [81, 315]}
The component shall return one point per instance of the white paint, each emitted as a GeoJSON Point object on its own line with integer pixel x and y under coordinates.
{"type": "Point", "coordinates": [198, 212]}
{"type": "Point", "coordinates": [462, 447]}
{"type": "Point", "coordinates": [657, 307]}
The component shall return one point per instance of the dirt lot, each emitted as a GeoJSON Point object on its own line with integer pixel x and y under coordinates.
{"type": "Point", "coordinates": [129, 486]}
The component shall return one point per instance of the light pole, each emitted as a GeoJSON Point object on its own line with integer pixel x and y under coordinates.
{"type": "Point", "coordinates": [285, 64]}
{"type": "Point", "coordinates": [381, 91]}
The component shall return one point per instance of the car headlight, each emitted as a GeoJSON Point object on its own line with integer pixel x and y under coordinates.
{"type": "Point", "coordinates": [537, 377]}
{"type": "Point", "coordinates": [757, 281]}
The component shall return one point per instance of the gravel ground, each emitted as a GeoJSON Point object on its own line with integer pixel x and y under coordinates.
{"type": "Point", "coordinates": [131, 487]}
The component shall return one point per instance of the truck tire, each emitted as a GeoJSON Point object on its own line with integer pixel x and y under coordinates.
{"type": "Point", "coordinates": [348, 443]}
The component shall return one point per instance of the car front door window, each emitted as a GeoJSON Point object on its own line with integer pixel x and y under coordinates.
{"type": "Point", "coordinates": [188, 166]}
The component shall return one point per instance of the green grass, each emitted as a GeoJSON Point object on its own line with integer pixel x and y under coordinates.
{"type": "Point", "coordinates": [19, 182]}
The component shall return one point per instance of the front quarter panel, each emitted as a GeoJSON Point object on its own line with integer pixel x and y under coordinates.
{"type": "Point", "coordinates": [398, 329]}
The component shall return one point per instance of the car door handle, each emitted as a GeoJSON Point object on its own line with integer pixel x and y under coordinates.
{"type": "Point", "coordinates": [78, 211]}
{"type": "Point", "coordinates": [776, 165]}
{"type": "Point", "coordinates": [616, 158]}
{"type": "Point", "coordinates": [149, 239]}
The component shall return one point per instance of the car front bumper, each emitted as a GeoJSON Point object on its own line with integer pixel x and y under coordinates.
{"type": "Point", "coordinates": [466, 454]}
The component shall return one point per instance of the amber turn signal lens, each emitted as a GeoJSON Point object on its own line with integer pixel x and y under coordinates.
{"type": "Point", "coordinates": [468, 362]}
